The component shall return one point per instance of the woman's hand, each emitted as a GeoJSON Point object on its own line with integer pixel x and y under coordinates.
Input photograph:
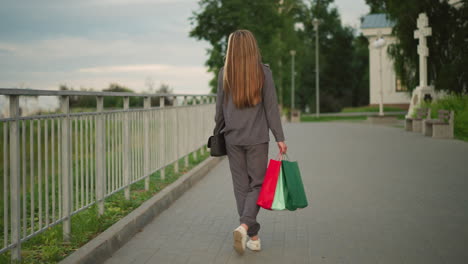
{"type": "Point", "coordinates": [282, 147]}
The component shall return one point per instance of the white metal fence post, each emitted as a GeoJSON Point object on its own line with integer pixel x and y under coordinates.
{"type": "Point", "coordinates": [147, 105]}
{"type": "Point", "coordinates": [186, 132]}
{"type": "Point", "coordinates": [66, 175]}
{"type": "Point", "coordinates": [195, 135]}
{"type": "Point", "coordinates": [126, 149]}
{"type": "Point", "coordinates": [202, 149]}
{"type": "Point", "coordinates": [162, 138]}
{"type": "Point", "coordinates": [100, 155]}
{"type": "Point", "coordinates": [177, 140]}
{"type": "Point", "coordinates": [15, 198]}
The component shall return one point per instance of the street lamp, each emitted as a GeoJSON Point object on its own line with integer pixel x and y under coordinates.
{"type": "Point", "coordinates": [299, 26]}
{"type": "Point", "coordinates": [316, 23]}
{"type": "Point", "coordinates": [293, 53]}
{"type": "Point", "coordinates": [378, 44]}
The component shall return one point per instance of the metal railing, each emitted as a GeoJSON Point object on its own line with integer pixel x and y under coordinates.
{"type": "Point", "coordinates": [57, 165]}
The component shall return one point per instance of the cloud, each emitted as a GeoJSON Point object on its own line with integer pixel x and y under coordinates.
{"type": "Point", "coordinates": [92, 43]}
{"type": "Point", "coordinates": [160, 68]}
{"type": "Point", "coordinates": [125, 68]}
{"type": "Point", "coordinates": [94, 63]}
{"type": "Point", "coordinates": [183, 79]}
{"type": "Point", "coordinates": [72, 46]}
{"type": "Point", "coordinates": [71, 52]}
{"type": "Point", "coordinates": [351, 11]}
{"type": "Point", "coordinates": [7, 48]}
{"type": "Point", "coordinates": [191, 79]}
{"type": "Point", "coordinates": [134, 2]}
{"type": "Point", "coordinates": [4, 52]}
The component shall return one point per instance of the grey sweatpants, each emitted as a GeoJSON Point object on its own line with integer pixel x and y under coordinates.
{"type": "Point", "coordinates": [248, 165]}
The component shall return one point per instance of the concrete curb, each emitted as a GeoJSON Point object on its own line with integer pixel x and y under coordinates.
{"type": "Point", "coordinates": [105, 244]}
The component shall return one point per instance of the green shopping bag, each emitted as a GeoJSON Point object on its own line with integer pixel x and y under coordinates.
{"type": "Point", "coordinates": [279, 201]}
{"type": "Point", "coordinates": [296, 197]}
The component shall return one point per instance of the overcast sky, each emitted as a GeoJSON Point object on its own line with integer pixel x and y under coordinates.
{"type": "Point", "coordinates": [91, 43]}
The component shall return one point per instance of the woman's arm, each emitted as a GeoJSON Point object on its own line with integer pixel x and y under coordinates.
{"type": "Point", "coordinates": [271, 106]}
{"type": "Point", "coordinates": [219, 116]}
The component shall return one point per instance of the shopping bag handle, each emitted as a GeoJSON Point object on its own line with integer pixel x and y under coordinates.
{"type": "Point", "coordinates": [281, 155]}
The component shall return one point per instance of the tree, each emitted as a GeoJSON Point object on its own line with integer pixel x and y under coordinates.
{"type": "Point", "coordinates": [338, 72]}
{"type": "Point", "coordinates": [360, 69]}
{"type": "Point", "coordinates": [271, 27]}
{"type": "Point", "coordinates": [376, 6]}
{"type": "Point", "coordinates": [343, 81]}
{"type": "Point", "coordinates": [117, 102]}
{"type": "Point", "coordinates": [78, 100]}
{"type": "Point", "coordinates": [448, 44]}
{"type": "Point", "coordinates": [163, 89]}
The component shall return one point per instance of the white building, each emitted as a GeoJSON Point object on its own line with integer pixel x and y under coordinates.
{"type": "Point", "coordinates": [394, 94]}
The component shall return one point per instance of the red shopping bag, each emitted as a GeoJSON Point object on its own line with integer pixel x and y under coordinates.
{"type": "Point", "coordinates": [267, 192]}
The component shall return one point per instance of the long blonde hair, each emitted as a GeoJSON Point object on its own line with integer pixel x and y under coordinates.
{"type": "Point", "coordinates": [243, 75]}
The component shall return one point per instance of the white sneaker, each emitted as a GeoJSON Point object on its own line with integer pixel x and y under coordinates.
{"type": "Point", "coordinates": [240, 239]}
{"type": "Point", "coordinates": [254, 245]}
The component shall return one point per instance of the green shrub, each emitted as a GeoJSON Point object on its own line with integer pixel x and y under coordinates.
{"type": "Point", "coordinates": [370, 109]}
{"type": "Point", "coordinates": [312, 118]}
{"type": "Point", "coordinates": [457, 103]}
{"type": "Point", "coordinates": [461, 125]}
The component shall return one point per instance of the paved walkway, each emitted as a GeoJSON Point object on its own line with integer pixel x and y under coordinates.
{"type": "Point", "coordinates": [377, 195]}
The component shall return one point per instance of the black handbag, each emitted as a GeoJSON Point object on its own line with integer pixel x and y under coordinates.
{"type": "Point", "coordinates": [217, 144]}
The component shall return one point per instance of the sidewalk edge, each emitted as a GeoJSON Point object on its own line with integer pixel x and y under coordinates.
{"type": "Point", "coordinates": [105, 244]}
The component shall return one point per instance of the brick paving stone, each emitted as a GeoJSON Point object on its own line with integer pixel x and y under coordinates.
{"type": "Point", "coordinates": [376, 195]}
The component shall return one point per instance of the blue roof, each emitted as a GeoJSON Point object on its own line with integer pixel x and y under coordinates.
{"type": "Point", "coordinates": [377, 21]}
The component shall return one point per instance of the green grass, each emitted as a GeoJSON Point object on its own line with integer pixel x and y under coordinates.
{"type": "Point", "coordinates": [373, 109]}
{"type": "Point", "coordinates": [457, 103]}
{"type": "Point", "coordinates": [46, 177]}
{"type": "Point", "coordinates": [310, 118]}
{"type": "Point", "coordinates": [49, 247]}
{"type": "Point", "coordinates": [83, 109]}
{"type": "Point", "coordinates": [370, 109]}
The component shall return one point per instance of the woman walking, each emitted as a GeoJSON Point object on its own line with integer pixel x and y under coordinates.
{"type": "Point", "coordinates": [246, 108]}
